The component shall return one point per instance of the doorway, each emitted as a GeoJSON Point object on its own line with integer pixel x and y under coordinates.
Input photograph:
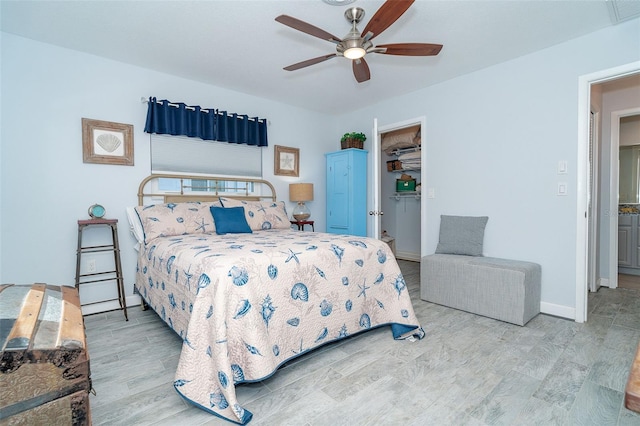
{"type": "Point", "coordinates": [403, 146]}
{"type": "Point", "coordinates": [584, 240]}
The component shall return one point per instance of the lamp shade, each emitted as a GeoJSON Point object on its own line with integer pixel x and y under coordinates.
{"type": "Point", "coordinates": [301, 192]}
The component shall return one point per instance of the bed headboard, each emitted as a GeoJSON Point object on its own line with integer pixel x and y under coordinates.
{"type": "Point", "coordinates": [218, 186]}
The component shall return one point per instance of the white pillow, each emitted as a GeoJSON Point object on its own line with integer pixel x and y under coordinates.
{"type": "Point", "coordinates": [135, 227]}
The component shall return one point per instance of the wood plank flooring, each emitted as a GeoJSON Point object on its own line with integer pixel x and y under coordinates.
{"type": "Point", "coordinates": [629, 281]}
{"type": "Point", "coordinates": [468, 370]}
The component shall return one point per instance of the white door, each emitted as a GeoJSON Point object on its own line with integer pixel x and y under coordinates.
{"type": "Point", "coordinates": [375, 212]}
{"type": "Point", "coordinates": [592, 207]}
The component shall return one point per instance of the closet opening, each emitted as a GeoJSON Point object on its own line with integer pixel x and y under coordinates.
{"type": "Point", "coordinates": [401, 190]}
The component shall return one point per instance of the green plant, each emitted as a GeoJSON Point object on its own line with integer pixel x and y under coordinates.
{"type": "Point", "coordinates": [354, 135]}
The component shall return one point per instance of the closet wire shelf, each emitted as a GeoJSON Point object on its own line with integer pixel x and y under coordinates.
{"type": "Point", "coordinates": [409, 194]}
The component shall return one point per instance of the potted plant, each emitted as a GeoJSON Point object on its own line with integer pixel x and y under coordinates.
{"type": "Point", "coordinates": [353, 140]}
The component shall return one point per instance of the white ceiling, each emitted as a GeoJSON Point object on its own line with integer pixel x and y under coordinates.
{"type": "Point", "coordinates": [238, 44]}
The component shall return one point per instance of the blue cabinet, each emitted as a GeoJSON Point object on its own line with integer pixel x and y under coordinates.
{"type": "Point", "coordinates": [347, 192]}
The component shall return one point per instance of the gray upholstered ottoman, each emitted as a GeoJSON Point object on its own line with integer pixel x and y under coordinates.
{"type": "Point", "coordinates": [507, 290]}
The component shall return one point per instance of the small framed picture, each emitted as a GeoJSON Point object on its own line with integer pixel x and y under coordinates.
{"type": "Point", "coordinates": [286, 161]}
{"type": "Point", "coordinates": [104, 142]}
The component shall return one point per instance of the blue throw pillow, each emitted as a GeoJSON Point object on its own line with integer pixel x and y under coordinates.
{"type": "Point", "coordinates": [230, 220]}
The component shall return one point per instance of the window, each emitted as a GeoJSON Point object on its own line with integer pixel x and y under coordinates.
{"type": "Point", "coordinates": [179, 154]}
{"type": "Point", "coordinates": [205, 185]}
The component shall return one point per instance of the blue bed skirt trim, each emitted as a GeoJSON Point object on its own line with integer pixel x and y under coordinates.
{"type": "Point", "coordinates": [248, 415]}
{"type": "Point", "coordinates": [401, 331]}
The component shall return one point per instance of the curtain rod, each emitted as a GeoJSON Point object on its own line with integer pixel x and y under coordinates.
{"type": "Point", "coordinates": [144, 100]}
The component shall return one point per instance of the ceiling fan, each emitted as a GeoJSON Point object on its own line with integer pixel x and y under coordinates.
{"type": "Point", "coordinates": [355, 45]}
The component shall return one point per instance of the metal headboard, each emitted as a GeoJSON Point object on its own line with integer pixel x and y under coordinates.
{"type": "Point", "coordinates": [265, 190]}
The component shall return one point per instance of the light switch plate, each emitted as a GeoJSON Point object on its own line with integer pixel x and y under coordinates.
{"type": "Point", "coordinates": [562, 167]}
{"type": "Point", "coordinates": [562, 188]}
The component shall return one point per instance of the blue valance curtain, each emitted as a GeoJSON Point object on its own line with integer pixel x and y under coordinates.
{"type": "Point", "coordinates": [168, 118]}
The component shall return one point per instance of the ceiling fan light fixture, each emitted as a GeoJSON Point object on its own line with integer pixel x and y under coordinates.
{"type": "Point", "coordinates": [338, 2]}
{"type": "Point", "coordinates": [352, 47]}
{"type": "Point", "coordinates": [354, 53]}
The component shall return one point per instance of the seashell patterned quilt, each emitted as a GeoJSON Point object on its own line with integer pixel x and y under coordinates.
{"type": "Point", "coordinates": [246, 303]}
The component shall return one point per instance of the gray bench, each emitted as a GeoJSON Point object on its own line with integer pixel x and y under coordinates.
{"type": "Point", "coordinates": [507, 290]}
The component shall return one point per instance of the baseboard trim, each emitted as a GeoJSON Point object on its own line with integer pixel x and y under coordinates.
{"type": "Point", "coordinates": [604, 282]}
{"type": "Point", "coordinates": [558, 310]}
{"type": "Point", "coordinates": [403, 255]}
{"type": "Point", "coordinates": [111, 305]}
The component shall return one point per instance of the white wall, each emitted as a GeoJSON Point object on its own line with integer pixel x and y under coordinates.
{"type": "Point", "coordinates": [2, 181]}
{"type": "Point", "coordinates": [494, 139]}
{"type": "Point", "coordinates": [46, 187]}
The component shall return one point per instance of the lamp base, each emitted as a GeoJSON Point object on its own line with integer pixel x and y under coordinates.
{"type": "Point", "coordinates": [301, 212]}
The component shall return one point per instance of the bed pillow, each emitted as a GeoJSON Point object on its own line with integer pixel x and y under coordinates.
{"type": "Point", "coordinates": [261, 214]}
{"type": "Point", "coordinates": [230, 220]}
{"type": "Point", "coordinates": [461, 235]}
{"type": "Point", "coordinates": [135, 227]}
{"type": "Point", "coordinates": [165, 220]}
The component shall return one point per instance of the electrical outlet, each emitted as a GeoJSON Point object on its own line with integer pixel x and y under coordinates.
{"type": "Point", "coordinates": [91, 266]}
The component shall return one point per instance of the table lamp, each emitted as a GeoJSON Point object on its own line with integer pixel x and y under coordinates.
{"type": "Point", "coordinates": [301, 192]}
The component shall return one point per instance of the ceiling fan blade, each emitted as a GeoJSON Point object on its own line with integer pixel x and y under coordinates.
{"type": "Point", "coordinates": [309, 62]}
{"type": "Point", "coordinates": [411, 49]}
{"type": "Point", "coordinates": [306, 28]}
{"type": "Point", "coordinates": [388, 13]}
{"type": "Point", "coordinates": [361, 70]}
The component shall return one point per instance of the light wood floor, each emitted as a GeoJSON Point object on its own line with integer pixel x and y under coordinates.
{"type": "Point", "coordinates": [629, 281]}
{"type": "Point", "coordinates": [468, 370]}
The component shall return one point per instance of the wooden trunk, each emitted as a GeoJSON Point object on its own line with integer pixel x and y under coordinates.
{"type": "Point", "coordinates": [632, 391]}
{"type": "Point", "coordinates": [44, 364]}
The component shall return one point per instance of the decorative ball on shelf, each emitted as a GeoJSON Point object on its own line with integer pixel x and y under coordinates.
{"type": "Point", "coordinates": [96, 211]}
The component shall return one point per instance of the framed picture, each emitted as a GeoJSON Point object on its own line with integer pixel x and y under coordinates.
{"type": "Point", "coordinates": [286, 161]}
{"type": "Point", "coordinates": [104, 142]}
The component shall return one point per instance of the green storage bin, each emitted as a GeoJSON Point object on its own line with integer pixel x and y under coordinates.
{"type": "Point", "coordinates": [405, 185]}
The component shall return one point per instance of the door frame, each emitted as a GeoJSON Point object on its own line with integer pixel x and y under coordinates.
{"type": "Point", "coordinates": [582, 178]}
{"type": "Point", "coordinates": [378, 130]}
{"type": "Point", "coordinates": [614, 199]}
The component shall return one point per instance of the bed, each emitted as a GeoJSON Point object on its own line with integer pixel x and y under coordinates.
{"type": "Point", "coordinates": [246, 301]}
